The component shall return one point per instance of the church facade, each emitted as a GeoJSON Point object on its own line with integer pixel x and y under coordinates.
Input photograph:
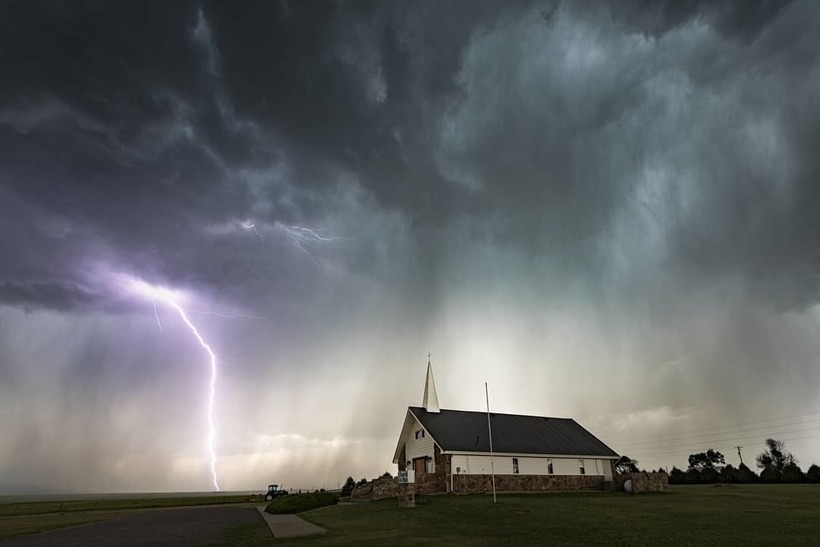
{"type": "Point", "coordinates": [449, 450]}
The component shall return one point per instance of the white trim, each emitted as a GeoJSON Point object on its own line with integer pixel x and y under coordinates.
{"type": "Point", "coordinates": [405, 431]}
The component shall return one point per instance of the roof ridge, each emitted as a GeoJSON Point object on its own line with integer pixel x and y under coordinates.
{"type": "Point", "coordinates": [491, 412]}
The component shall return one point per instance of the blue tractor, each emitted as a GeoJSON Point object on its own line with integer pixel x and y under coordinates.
{"type": "Point", "coordinates": [274, 492]}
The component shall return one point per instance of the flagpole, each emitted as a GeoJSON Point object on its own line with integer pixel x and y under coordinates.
{"type": "Point", "coordinates": [490, 430]}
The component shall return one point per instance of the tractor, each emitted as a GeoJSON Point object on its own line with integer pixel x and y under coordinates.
{"type": "Point", "coordinates": [274, 492]}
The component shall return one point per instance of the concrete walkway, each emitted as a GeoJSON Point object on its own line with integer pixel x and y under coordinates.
{"type": "Point", "coordinates": [289, 526]}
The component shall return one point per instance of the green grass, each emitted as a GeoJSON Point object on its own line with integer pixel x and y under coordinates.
{"type": "Point", "coordinates": [245, 535]}
{"type": "Point", "coordinates": [39, 516]}
{"type": "Point", "coordinates": [73, 506]}
{"type": "Point", "coordinates": [32, 524]}
{"type": "Point", "coordinates": [689, 515]}
{"type": "Point", "coordinates": [298, 503]}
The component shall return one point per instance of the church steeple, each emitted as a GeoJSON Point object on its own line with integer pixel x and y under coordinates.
{"type": "Point", "coordinates": [430, 402]}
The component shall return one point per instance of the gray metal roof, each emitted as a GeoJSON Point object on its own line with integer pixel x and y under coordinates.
{"type": "Point", "coordinates": [464, 431]}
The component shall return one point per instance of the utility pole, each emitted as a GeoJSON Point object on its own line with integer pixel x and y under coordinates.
{"type": "Point", "coordinates": [739, 454]}
{"type": "Point", "coordinates": [490, 432]}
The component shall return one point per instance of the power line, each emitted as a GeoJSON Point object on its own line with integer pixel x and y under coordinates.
{"type": "Point", "coordinates": [770, 430]}
{"type": "Point", "coordinates": [691, 448]}
{"type": "Point", "coordinates": [715, 428]}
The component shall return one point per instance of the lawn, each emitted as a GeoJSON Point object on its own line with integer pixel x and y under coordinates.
{"type": "Point", "coordinates": [689, 515]}
{"type": "Point", "coordinates": [32, 517]}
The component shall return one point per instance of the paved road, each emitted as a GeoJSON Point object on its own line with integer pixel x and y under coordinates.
{"type": "Point", "coordinates": [183, 526]}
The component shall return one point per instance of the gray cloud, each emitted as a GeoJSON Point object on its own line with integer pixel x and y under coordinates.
{"type": "Point", "coordinates": [570, 200]}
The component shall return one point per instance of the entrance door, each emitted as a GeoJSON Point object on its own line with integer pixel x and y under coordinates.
{"type": "Point", "coordinates": [418, 465]}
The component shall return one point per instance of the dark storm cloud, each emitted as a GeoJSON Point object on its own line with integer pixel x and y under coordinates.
{"type": "Point", "coordinates": [526, 119]}
{"type": "Point", "coordinates": [737, 19]}
{"type": "Point", "coordinates": [602, 198]}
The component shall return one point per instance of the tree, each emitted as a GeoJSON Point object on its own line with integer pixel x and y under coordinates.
{"type": "Point", "coordinates": [792, 473]}
{"type": "Point", "coordinates": [746, 475]}
{"type": "Point", "coordinates": [729, 474]}
{"type": "Point", "coordinates": [770, 474]}
{"type": "Point", "coordinates": [626, 465]}
{"type": "Point", "coordinates": [348, 487]}
{"type": "Point", "coordinates": [693, 476]}
{"type": "Point", "coordinates": [386, 475]}
{"type": "Point", "coordinates": [676, 476]}
{"type": "Point", "coordinates": [813, 473]}
{"type": "Point", "coordinates": [709, 475]}
{"type": "Point", "coordinates": [775, 456]}
{"type": "Point", "coordinates": [704, 460]}
{"type": "Point", "coordinates": [362, 482]}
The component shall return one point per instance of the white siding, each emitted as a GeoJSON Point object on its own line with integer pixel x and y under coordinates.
{"type": "Point", "coordinates": [480, 465]}
{"type": "Point", "coordinates": [419, 448]}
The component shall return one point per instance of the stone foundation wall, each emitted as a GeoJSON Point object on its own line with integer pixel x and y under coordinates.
{"type": "Point", "coordinates": [439, 480]}
{"type": "Point", "coordinates": [526, 483]}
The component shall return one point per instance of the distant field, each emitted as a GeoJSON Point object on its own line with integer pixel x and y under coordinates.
{"type": "Point", "coordinates": [81, 505]}
{"type": "Point", "coordinates": [689, 515]}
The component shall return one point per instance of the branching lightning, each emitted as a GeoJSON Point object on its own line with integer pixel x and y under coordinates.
{"type": "Point", "coordinates": [164, 295]}
{"type": "Point", "coordinates": [303, 238]}
{"type": "Point", "coordinates": [251, 226]}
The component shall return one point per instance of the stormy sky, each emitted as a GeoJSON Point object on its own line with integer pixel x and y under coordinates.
{"type": "Point", "coordinates": [608, 212]}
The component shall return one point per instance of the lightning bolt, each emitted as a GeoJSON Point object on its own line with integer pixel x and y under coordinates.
{"type": "Point", "coordinates": [226, 315]}
{"type": "Point", "coordinates": [251, 226]}
{"type": "Point", "coordinates": [156, 316]}
{"type": "Point", "coordinates": [166, 296]}
{"type": "Point", "coordinates": [304, 238]}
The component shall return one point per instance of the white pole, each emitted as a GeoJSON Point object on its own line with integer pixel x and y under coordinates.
{"type": "Point", "coordinates": [490, 430]}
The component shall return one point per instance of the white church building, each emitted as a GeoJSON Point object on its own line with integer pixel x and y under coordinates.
{"type": "Point", "coordinates": [449, 450]}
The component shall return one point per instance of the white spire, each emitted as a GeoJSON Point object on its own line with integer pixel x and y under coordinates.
{"type": "Point", "coordinates": [430, 402]}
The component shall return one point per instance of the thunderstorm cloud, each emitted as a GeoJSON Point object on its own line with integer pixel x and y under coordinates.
{"type": "Point", "coordinates": [608, 212]}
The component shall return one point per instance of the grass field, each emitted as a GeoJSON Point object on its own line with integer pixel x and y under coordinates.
{"type": "Point", "coordinates": [689, 515]}
{"type": "Point", "coordinates": [32, 517]}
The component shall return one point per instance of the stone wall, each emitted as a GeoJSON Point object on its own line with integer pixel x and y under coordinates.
{"type": "Point", "coordinates": [648, 482]}
{"type": "Point", "coordinates": [526, 483]}
{"type": "Point", "coordinates": [378, 489]}
{"type": "Point", "coordinates": [439, 480]}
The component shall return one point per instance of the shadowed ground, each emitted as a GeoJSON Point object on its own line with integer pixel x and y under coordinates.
{"type": "Point", "coordinates": [183, 526]}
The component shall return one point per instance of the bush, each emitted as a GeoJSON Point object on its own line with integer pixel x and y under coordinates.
{"type": "Point", "coordinates": [792, 473]}
{"type": "Point", "coordinates": [677, 476]}
{"type": "Point", "coordinates": [298, 503]}
{"type": "Point", "coordinates": [813, 474]}
{"type": "Point", "coordinates": [348, 487]}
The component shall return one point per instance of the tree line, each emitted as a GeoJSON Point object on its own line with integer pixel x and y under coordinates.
{"type": "Point", "coordinates": [776, 464]}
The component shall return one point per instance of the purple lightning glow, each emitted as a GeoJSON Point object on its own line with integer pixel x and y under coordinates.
{"type": "Point", "coordinates": [304, 238]}
{"type": "Point", "coordinates": [167, 296]}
